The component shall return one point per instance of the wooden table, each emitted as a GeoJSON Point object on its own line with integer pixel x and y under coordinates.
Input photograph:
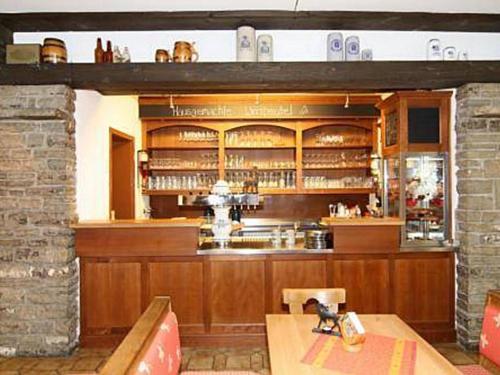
{"type": "Point", "coordinates": [290, 337]}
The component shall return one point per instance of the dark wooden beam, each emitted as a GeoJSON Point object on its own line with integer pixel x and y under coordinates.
{"type": "Point", "coordinates": [153, 78]}
{"type": "Point", "coordinates": [6, 37]}
{"type": "Point", "coordinates": [230, 20]}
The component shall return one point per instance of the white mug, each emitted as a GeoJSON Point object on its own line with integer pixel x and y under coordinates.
{"type": "Point", "coordinates": [335, 47]}
{"type": "Point", "coordinates": [246, 49]}
{"type": "Point", "coordinates": [265, 48]}
{"type": "Point", "coordinates": [352, 48]}
{"type": "Point", "coordinates": [450, 53]}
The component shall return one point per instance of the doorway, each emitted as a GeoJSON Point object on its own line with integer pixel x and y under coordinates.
{"type": "Point", "coordinates": [121, 175]}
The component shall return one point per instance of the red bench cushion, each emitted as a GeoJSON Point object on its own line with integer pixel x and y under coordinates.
{"type": "Point", "coordinates": [489, 344]}
{"type": "Point", "coordinates": [473, 370]}
{"type": "Point", "coordinates": [163, 356]}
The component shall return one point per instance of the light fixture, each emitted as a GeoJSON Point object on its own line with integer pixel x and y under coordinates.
{"type": "Point", "coordinates": [171, 102]}
{"type": "Point", "coordinates": [346, 104]}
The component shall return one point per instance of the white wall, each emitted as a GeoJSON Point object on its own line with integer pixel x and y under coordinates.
{"type": "Point", "coordinates": [94, 115]}
{"type": "Point", "coordinates": [289, 45]}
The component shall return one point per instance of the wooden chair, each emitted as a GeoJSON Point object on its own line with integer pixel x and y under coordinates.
{"type": "Point", "coordinates": [296, 298]}
{"type": "Point", "coordinates": [489, 345]}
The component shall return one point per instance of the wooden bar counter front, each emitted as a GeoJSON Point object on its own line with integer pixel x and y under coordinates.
{"type": "Point", "coordinates": [223, 299]}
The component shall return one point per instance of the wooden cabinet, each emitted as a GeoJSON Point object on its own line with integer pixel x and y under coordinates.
{"type": "Point", "coordinates": [110, 298]}
{"type": "Point", "coordinates": [366, 282]}
{"type": "Point", "coordinates": [237, 293]}
{"type": "Point", "coordinates": [295, 273]}
{"type": "Point", "coordinates": [183, 282]}
{"type": "Point", "coordinates": [424, 293]}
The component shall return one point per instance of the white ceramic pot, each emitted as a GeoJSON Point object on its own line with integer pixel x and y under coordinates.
{"type": "Point", "coordinates": [352, 49]}
{"type": "Point", "coordinates": [335, 47]}
{"type": "Point", "coordinates": [265, 48]}
{"type": "Point", "coordinates": [246, 49]}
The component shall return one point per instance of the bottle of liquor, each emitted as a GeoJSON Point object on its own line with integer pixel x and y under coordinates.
{"type": "Point", "coordinates": [108, 55]}
{"type": "Point", "coordinates": [99, 52]}
{"type": "Point", "coordinates": [117, 56]}
{"type": "Point", "coordinates": [126, 55]}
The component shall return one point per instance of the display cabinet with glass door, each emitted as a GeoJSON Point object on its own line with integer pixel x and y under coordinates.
{"type": "Point", "coordinates": [415, 146]}
{"type": "Point", "coordinates": [416, 190]}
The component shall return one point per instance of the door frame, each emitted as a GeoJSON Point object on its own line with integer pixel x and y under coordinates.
{"type": "Point", "coordinates": [116, 133]}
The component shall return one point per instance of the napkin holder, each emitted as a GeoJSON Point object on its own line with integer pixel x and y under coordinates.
{"type": "Point", "coordinates": [353, 332]}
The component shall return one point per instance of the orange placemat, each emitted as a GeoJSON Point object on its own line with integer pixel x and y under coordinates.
{"type": "Point", "coordinates": [380, 355]}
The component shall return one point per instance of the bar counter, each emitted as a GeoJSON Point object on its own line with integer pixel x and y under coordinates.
{"type": "Point", "coordinates": [222, 298]}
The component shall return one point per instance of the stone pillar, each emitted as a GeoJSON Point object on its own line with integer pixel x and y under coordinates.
{"type": "Point", "coordinates": [478, 213]}
{"type": "Point", "coordinates": [38, 271]}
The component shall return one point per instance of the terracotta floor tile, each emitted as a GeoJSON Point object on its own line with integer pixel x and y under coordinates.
{"type": "Point", "coordinates": [201, 363]}
{"type": "Point", "coordinates": [87, 364]}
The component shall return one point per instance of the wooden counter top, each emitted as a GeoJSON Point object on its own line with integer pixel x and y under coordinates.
{"type": "Point", "coordinates": [368, 221]}
{"type": "Point", "coordinates": [139, 223]}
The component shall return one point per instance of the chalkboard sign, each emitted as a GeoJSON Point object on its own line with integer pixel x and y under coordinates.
{"type": "Point", "coordinates": [423, 125]}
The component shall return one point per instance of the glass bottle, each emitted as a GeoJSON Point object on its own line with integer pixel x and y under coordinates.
{"type": "Point", "coordinates": [99, 52]}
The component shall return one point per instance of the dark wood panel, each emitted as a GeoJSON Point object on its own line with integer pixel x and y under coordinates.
{"type": "Point", "coordinates": [295, 274]}
{"type": "Point", "coordinates": [183, 282]}
{"type": "Point", "coordinates": [300, 206]}
{"type": "Point", "coordinates": [121, 175]}
{"type": "Point", "coordinates": [366, 239]}
{"type": "Point", "coordinates": [366, 282]}
{"type": "Point", "coordinates": [102, 242]}
{"type": "Point", "coordinates": [150, 78]}
{"type": "Point", "coordinates": [237, 292]}
{"type": "Point", "coordinates": [424, 289]}
{"type": "Point", "coordinates": [260, 19]}
{"type": "Point", "coordinates": [110, 297]}
{"type": "Point", "coordinates": [6, 37]}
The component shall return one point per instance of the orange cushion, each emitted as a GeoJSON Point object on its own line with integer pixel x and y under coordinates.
{"type": "Point", "coordinates": [163, 357]}
{"type": "Point", "coordinates": [219, 373]}
{"type": "Point", "coordinates": [473, 370]}
{"type": "Point", "coordinates": [489, 343]}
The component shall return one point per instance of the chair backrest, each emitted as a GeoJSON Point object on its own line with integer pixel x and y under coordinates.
{"type": "Point", "coordinates": [296, 298]}
{"type": "Point", "coordinates": [143, 339]}
{"type": "Point", "coordinates": [489, 343]}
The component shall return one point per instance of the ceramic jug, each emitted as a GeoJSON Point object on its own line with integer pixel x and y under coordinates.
{"type": "Point", "coordinates": [185, 52]}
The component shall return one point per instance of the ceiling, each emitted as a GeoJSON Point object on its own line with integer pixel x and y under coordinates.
{"type": "Point", "coordinates": [476, 6]}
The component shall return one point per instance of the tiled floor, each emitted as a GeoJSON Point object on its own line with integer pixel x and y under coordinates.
{"type": "Point", "coordinates": [193, 359]}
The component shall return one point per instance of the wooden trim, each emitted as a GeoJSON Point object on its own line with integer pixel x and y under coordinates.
{"type": "Point", "coordinates": [6, 37]}
{"type": "Point", "coordinates": [234, 77]}
{"type": "Point", "coordinates": [260, 19]}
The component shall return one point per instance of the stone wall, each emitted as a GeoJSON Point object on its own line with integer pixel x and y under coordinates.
{"type": "Point", "coordinates": [478, 213]}
{"type": "Point", "coordinates": [38, 271]}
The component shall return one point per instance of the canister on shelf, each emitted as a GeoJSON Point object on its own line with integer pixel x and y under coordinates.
{"type": "Point", "coordinates": [54, 51]}
{"type": "Point", "coordinates": [246, 50]}
{"type": "Point", "coordinates": [335, 47]}
{"type": "Point", "coordinates": [265, 48]}
{"type": "Point", "coordinates": [352, 48]}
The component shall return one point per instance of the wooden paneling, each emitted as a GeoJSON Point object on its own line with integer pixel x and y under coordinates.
{"type": "Point", "coordinates": [6, 37]}
{"type": "Point", "coordinates": [295, 274]}
{"type": "Point", "coordinates": [237, 292]}
{"type": "Point", "coordinates": [366, 239]}
{"type": "Point", "coordinates": [233, 77]}
{"type": "Point", "coordinates": [260, 19]}
{"type": "Point", "coordinates": [423, 289]}
{"type": "Point", "coordinates": [141, 242]}
{"type": "Point", "coordinates": [110, 296]}
{"type": "Point", "coordinates": [366, 282]}
{"type": "Point", "coordinates": [183, 282]}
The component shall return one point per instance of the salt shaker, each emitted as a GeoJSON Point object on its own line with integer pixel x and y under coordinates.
{"type": "Point", "coordinates": [245, 44]}
{"type": "Point", "coordinates": [352, 48]}
{"type": "Point", "coordinates": [265, 48]}
{"type": "Point", "coordinates": [335, 47]}
{"type": "Point", "coordinates": [434, 50]}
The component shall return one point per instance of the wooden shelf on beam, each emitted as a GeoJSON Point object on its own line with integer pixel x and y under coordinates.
{"type": "Point", "coordinates": [232, 77]}
{"type": "Point", "coordinates": [260, 19]}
